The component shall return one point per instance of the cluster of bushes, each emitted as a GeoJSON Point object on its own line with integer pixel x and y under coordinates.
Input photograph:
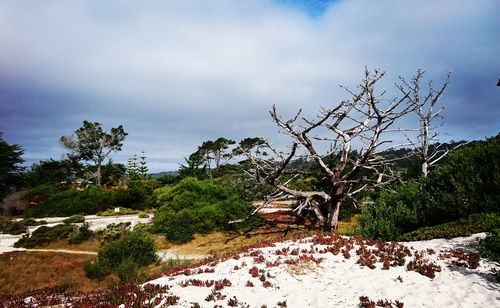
{"type": "Point", "coordinates": [467, 184]}
{"type": "Point", "coordinates": [195, 206]}
{"type": "Point", "coordinates": [55, 201]}
{"type": "Point", "coordinates": [124, 257]}
{"type": "Point", "coordinates": [10, 226]}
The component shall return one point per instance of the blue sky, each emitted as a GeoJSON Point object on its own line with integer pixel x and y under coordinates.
{"type": "Point", "coordinates": [176, 73]}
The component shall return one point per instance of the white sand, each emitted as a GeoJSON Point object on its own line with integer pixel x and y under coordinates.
{"type": "Point", "coordinates": [339, 282]}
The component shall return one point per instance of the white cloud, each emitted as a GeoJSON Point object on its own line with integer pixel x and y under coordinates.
{"type": "Point", "coordinates": [175, 73]}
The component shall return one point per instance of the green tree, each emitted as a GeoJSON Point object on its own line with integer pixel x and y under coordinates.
{"type": "Point", "coordinates": [92, 143]}
{"type": "Point", "coordinates": [10, 158]}
{"type": "Point", "coordinates": [51, 171]}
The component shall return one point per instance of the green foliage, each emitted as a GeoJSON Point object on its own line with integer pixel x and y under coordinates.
{"type": "Point", "coordinates": [10, 160]}
{"type": "Point", "coordinates": [92, 143]}
{"type": "Point", "coordinates": [124, 257]}
{"type": "Point", "coordinates": [133, 246]}
{"type": "Point", "coordinates": [489, 247]}
{"type": "Point", "coordinates": [72, 202]}
{"type": "Point", "coordinates": [138, 194]}
{"type": "Point", "coordinates": [123, 211]}
{"type": "Point", "coordinates": [10, 226]}
{"type": "Point", "coordinates": [42, 192]}
{"type": "Point", "coordinates": [113, 231]}
{"type": "Point", "coordinates": [74, 219]}
{"type": "Point", "coordinates": [468, 183]}
{"type": "Point", "coordinates": [127, 271]}
{"type": "Point", "coordinates": [95, 270]}
{"type": "Point", "coordinates": [464, 227]}
{"type": "Point", "coordinates": [83, 234]}
{"type": "Point", "coordinates": [195, 206]}
{"type": "Point", "coordinates": [243, 186]}
{"type": "Point", "coordinates": [45, 235]}
{"type": "Point", "coordinates": [51, 171]}
{"type": "Point", "coordinates": [394, 213]}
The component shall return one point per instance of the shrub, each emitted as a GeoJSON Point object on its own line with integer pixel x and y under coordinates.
{"type": "Point", "coordinates": [45, 235]}
{"type": "Point", "coordinates": [74, 219]}
{"type": "Point", "coordinates": [123, 257]}
{"type": "Point", "coordinates": [10, 226]}
{"type": "Point", "coordinates": [133, 246]}
{"type": "Point", "coordinates": [463, 227]}
{"type": "Point", "coordinates": [113, 231]}
{"type": "Point", "coordinates": [194, 206]}
{"type": "Point", "coordinates": [138, 194]}
{"type": "Point", "coordinates": [465, 185]}
{"type": "Point", "coordinates": [95, 270]}
{"type": "Point", "coordinates": [72, 202]}
{"type": "Point", "coordinates": [83, 234]}
{"type": "Point", "coordinates": [127, 271]}
{"type": "Point", "coordinates": [123, 211]}
{"type": "Point", "coordinates": [394, 213]}
{"type": "Point", "coordinates": [489, 247]}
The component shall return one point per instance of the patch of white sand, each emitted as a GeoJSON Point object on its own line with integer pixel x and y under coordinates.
{"type": "Point", "coordinates": [339, 282]}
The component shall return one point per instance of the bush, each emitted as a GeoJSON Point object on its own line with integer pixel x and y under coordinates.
{"type": "Point", "coordinates": [10, 226]}
{"type": "Point", "coordinates": [74, 219]}
{"type": "Point", "coordinates": [123, 257]}
{"type": "Point", "coordinates": [45, 235]}
{"type": "Point", "coordinates": [138, 194]}
{"type": "Point", "coordinates": [463, 227]}
{"type": "Point", "coordinates": [83, 234]}
{"type": "Point", "coordinates": [394, 213]}
{"type": "Point", "coordinates": [194, 206]}
{"type": "Point", "coordinates": [95, 270]}
{"type": "Point", "coordinates": [489, 247]}
{"type": "Point", "coordinates": [72, 202]}
{"type": "Point", "coordinates": [133, 246]}
{"type": "Point", "coordinates": [465, 185]}
{"type": "Point", "coordinates": [123, 211]}
{"type": "Point", "coordinates": [127, 271]}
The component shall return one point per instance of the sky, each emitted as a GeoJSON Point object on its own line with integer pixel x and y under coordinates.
{"type": "Point", "coordinates": [177, 73]}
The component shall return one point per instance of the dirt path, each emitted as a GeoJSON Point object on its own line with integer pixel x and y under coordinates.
{"type": "Point", "coordinates": [64, 251]}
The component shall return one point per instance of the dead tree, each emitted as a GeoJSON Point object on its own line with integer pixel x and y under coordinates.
{"type": "Point", "coordinates": [426, 143]}
{"type": "Point", "coordinates": [358, 131]}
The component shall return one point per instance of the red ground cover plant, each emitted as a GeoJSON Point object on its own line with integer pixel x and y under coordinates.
{"type": "Point", "coordinates": [461, 258]}
{"type": "Point", "coordinates": [365, 302]}
{"type": "Point", "coordinates": [129, 296]}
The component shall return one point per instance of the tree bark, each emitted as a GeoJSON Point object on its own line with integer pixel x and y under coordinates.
{"type": "Point", "coordinates": [98, 175]}
{"type": "Point", "coordinates": [334, 209]}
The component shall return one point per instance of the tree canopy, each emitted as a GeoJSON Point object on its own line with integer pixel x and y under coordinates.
{"type": "Point", "coordinates": [92, 143]}
{"type": "Point", "coordinates": [10, 160]}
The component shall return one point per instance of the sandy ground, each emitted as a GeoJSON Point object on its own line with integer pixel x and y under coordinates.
{"type": "Point", "coordinates": [337, 281]}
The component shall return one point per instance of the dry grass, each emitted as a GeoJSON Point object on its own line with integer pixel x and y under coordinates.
{"type": "Point", "coordinates": [24, 271]}
{"type": "Point", "coordinates": [92, 245]}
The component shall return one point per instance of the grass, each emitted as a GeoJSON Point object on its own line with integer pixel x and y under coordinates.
{"type": "Point", "coordinates": [25, 271]}
{"type": "Point", "coordinates": [91, 245]}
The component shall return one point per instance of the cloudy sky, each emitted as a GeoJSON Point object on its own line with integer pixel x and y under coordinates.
{"type": "Point", "coordinates": [176, 73]}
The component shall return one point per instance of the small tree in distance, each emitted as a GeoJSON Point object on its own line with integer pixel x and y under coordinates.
{"type": "Point", "coordinates": [92, 143]}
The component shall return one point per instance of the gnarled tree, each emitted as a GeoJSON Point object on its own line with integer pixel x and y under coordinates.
{"type": "Point", "coordinates": [91, 142]}
{"type": "Point", "coordinates": [357, 130]}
